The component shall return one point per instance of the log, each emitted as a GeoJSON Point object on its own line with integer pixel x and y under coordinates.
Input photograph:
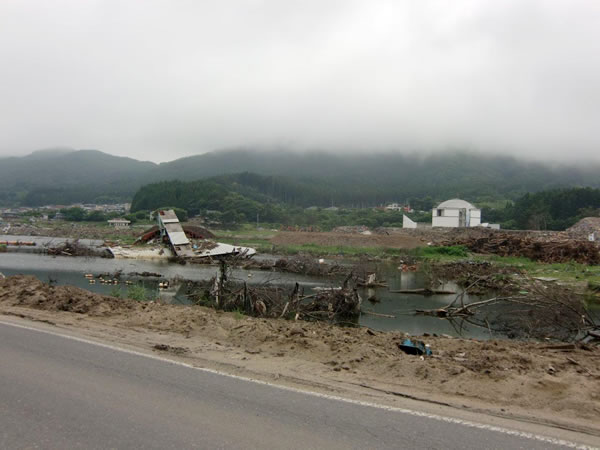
{"type": "Point", "coordinates": [423, 291]}
{"type": "Point", "coordinates": [432, 312]}
{"type": "Point", "coordinates": [595, 334]}
{"type": "Point", "coordinates": [371, 313]}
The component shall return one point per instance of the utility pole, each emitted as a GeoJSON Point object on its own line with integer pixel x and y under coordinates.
{"type": "Point", "coordinates": [257, 220]}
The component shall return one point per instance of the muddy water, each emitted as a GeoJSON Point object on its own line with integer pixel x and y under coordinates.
{"type": "Point", "coordinates": [70, 271]}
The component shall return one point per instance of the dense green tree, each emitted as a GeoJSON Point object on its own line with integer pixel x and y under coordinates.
{"type": "Point", "coordinates": [74, 214]}
{"type": "Point", "coordinates": [555, 209]}
{"type": "Point", "coordinates": [96, 216]}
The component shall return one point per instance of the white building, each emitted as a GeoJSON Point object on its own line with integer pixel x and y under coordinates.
{"type": "Point", "coordinates": [119, 223]}
{"type": "Point", "coordinates": [455, 213]}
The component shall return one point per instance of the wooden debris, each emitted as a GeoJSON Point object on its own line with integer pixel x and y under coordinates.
{"type": "Point", "coordinates": [425, 291]}
{"type": "Point", "coordinates": [535, 248]}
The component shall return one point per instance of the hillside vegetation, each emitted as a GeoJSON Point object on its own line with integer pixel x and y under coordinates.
{"type": "Point", "coordinates": [66, 177]}
{"type": "Point", "coordinates": [246, 197]}
{"type": "Point", "coordinates": [299, 179]}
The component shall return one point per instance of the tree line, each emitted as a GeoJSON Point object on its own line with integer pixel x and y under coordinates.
{"type": "Point", "coordinates": [234, 199]}
{"type": "Point", "coordinates": [555, 209]}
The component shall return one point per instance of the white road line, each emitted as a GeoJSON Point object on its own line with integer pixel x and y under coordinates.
{"type": "Point", "coordinates": [411, 412]}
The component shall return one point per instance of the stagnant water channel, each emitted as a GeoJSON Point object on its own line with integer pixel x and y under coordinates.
{"type": "Point", "coordinates": [70, 271]}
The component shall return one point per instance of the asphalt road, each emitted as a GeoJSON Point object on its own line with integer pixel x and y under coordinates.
{"type": "Point", "coordinates": [61, 393]}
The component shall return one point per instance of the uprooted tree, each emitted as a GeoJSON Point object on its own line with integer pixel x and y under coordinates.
{"type": "Point", "coordinates": [535, 311]}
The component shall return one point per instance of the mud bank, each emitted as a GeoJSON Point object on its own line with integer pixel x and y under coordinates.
{"type": "Point", "coordinates": [542, 382]}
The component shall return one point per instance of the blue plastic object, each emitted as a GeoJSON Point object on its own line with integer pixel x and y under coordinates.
{"type": "Point", "coordinates": [415, 348]}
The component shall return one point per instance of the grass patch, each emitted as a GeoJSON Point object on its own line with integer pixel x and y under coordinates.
{"type": "Point", "coordinates": [140, 293]}
{"type": "Point", "coordinates": [458, 251]}
{"type": "Point", "coordinates": [246, 231]}
{"type": "Point", "coordinates": [136, 292]}
{"type": "Point", "coordinates": [338, 250]}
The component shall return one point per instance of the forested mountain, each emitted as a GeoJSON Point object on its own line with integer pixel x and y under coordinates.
{"type": "Point", "coordinates": [64, 177]}
{"type": "Point", "coordinates": [370, 179]}
{"type": "Point", "coordinates": [302, 179]}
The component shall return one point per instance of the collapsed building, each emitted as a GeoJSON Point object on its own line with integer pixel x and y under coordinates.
{"type": "Point", "coordinates": [180, 241]}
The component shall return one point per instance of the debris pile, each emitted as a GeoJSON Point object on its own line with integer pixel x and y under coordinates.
{"type": "Point", "coordinates": [334, 305]}
{"type": "Point", "coordinates": [75, 248]}
{"type": "Point", "coordinates": [309, 266]}
{"type": "Point", "coordinates": [537, 249]}
{"type": "Point", "coordinates": [301, 265]}
{"type": "Point", "coordinates": [478, 276]}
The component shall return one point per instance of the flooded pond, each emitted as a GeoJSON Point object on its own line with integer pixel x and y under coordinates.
{"type": "Point", "coordinates": [70, 271]}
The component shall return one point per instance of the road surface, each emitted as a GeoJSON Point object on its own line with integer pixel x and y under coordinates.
{"type": "Point", "coordinates": [57, 392]}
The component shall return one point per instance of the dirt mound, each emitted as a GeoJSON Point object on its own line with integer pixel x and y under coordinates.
{"type": "Point", "coordinates": [26, 290]}
{"type": "Point", "coordinates": [585, 227]}
{"type": "Point", "coordinates": [355, 229]}
{"type": "Point", "coordinates": [346, 239]}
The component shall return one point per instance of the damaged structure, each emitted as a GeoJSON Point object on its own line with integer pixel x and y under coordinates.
{"type": "Point", "coordinates": [170, 228]}
{"type": "Point", "coordinates": [182, 242]}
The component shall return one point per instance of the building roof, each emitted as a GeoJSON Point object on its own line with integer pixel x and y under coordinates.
{"type": "Point", "coordinates": [168, 216]}
{"type": "Point", "coordinates": [118, 221]}
{"type": "Point", "coordinates": [456, 203]}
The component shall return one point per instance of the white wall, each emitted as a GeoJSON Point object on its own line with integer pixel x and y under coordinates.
{"type": "Point", "coordinates": [449, 218]}
{"type": "Point", "coordinates": [408, 223]}
{"type": "Point", "coordinates": [475, 217]}
{"type": "Point", "coordinates": [444, 221]}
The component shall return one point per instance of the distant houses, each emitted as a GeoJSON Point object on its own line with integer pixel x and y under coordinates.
{"type": "Point", "coordinates": [398, 207]}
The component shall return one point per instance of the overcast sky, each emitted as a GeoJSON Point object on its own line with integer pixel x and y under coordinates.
{"type": "Point", "coordinates": [159, 80]}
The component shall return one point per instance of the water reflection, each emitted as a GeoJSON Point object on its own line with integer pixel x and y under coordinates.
{"type": "Point", "coordinates": [70, 271]}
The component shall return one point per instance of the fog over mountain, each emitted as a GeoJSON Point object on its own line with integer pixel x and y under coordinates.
{"type": "Point", "coordinates": [60, 176]}
{"type": "Point", "coordinates": [156, 80]}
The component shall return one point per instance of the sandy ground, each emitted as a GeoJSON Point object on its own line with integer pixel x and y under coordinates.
{"type": "Point", "coordinates": [347, 239]}
{"type": "Point", "coordinates": [406, 237]}
{"type": "Point", "coordinates": [535, 382]}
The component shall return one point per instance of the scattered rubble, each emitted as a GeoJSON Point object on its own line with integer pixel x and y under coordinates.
{"type": "Point", "coordinates": [479, 277]}
{"type": "Point", "coordinates": [75, 248]}
{"type": "Point", "coordinates": [334, 305]}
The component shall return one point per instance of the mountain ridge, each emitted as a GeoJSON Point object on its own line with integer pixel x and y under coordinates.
{"type": "Point", "coordinates": [326, 178]}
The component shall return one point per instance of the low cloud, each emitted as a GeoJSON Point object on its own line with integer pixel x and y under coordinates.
{"type": "Point", "coordinates": [159, 80]}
